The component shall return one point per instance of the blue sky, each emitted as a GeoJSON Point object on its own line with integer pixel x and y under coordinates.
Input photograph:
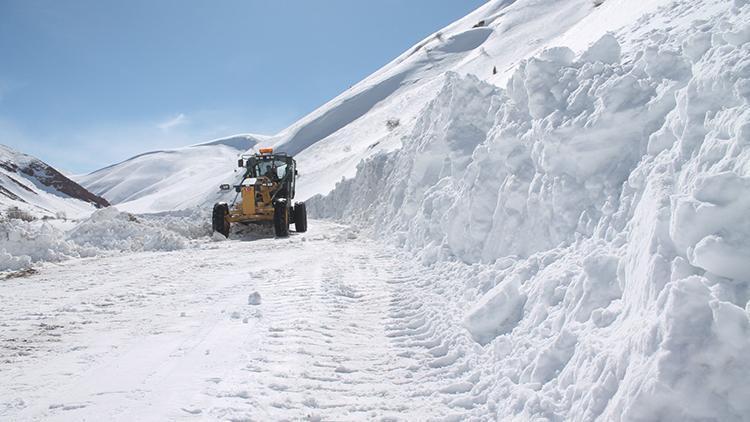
{"type": "Point", "coordinates": [85, 83]}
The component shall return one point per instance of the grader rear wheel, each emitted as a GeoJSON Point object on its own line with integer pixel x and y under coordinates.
{"type": "Point", "coordinates": [300, 217]}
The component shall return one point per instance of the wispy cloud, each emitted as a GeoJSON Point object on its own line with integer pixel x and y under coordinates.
{"type": "Point", "coordinates": [176, 121]}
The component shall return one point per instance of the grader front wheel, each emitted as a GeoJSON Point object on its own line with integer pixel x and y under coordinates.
{"type": "Point", "coordinates": [219, 221]}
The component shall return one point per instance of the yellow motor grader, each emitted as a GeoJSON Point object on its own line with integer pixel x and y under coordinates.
{"type": "Point", "coordinates": [265, 195]}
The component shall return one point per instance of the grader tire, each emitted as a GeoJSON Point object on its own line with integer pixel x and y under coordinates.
{"type": "Point", "coordinates": [281, 220]}
{"type": "Point", "coordinates": [219, 222]}
{"type": "Point", "coordinates": [300, 217]}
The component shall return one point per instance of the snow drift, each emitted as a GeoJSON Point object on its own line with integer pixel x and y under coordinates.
{"type": "Point", "coordinates": [603, 196]}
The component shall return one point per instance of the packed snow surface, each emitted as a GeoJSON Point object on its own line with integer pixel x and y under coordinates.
{"type": "Point", "coordinates": [347, 332]}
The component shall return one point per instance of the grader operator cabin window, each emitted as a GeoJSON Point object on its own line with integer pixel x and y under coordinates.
{"type": "Point", "coordinates": [274, 169]}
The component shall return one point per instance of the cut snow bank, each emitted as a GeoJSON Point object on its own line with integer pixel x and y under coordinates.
{"type": "Point", "coordinates": [604, 198]}
{"type": "Point", "coordinates": [105, 231]}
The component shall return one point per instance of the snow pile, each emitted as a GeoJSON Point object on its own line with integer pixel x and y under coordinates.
{"type": "Point", "coordinates": [22, 243]}
{"type": "Point", "coordinates": [191, 223]}
{"type": "Point", "coordinates": [604, 197]}
{"type": "Point", "coordinates": [109, 229]}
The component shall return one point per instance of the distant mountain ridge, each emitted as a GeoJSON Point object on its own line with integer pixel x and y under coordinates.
{"type": "Point", "coordinates": [171, 179]}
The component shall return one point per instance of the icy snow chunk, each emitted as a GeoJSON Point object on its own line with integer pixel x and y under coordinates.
{"type": "Point", "coordinates": [739, 37]}
{"type": "Point", "coordinates": [703, 367]}
{"type": "Point", "coordinates": [667, 64]}
{"type": "Point", "coordinates": [723, 257]}
{"type": "Point", "coordinates": [23, 243]}
{"type": "Point", "coordinates": [253, 298]}
{"type": "Point", "coordinates": [600, 286]}
{"type": "Point", "coordinates": [553, 358]}
{"type": "Point", "coordinates": [558, 55]}
{"type": "Point", "coordinates": [605, 50]}
{"type": "Point", "coordinates": [696, 45]}
{"type": "Point", "coordinates": [10, 262]}
{"type": "Point", "coordinates": [718, 203]}
{"type": "Point", "coordinates": [497, 312]}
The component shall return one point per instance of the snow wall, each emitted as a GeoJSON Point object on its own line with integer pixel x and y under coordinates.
{"type": "Point", "coordinates": [606, 199]}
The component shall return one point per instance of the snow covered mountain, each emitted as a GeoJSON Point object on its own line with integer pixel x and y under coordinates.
{"type": "Point", "coordinates": [31, 185]}
{"type": "Point", "coordinates": [171, 179]}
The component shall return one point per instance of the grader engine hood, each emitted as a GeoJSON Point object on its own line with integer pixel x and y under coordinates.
{"type": "Point", "coordinates": [257, 196]}
{"type": "Point", "coordinates": [248, 200]}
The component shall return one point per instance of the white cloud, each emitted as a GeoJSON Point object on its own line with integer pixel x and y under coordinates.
{"type": "Point", "coordinates": [172, 123]}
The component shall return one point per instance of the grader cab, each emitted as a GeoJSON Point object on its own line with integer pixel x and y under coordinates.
{"type": "Point", "coordinates": [264, 195]}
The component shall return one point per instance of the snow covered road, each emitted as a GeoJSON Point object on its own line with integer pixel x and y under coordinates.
{"type": "Point", "coordinates": [340, 333]}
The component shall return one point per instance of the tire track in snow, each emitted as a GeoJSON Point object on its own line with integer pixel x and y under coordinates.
{"type": "Point", "coordinates": [346, 330]}
{"type": "Point", "coordinates": [349, 337]}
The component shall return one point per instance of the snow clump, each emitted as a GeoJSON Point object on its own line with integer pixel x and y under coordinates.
{"type": "Point", "coordinates": [254, 298]}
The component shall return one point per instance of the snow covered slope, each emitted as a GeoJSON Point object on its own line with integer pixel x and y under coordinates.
{"type": "Point", "coordinates": [33, 186]}
{"type": "Point", "coordinates": [376, 113]}
{"type": "Point", "coordinates": [332, 140]}
{"type": "Point", "coordinates": [171, 179]}
{"type": "Point", "coordinates": [594, 211]}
